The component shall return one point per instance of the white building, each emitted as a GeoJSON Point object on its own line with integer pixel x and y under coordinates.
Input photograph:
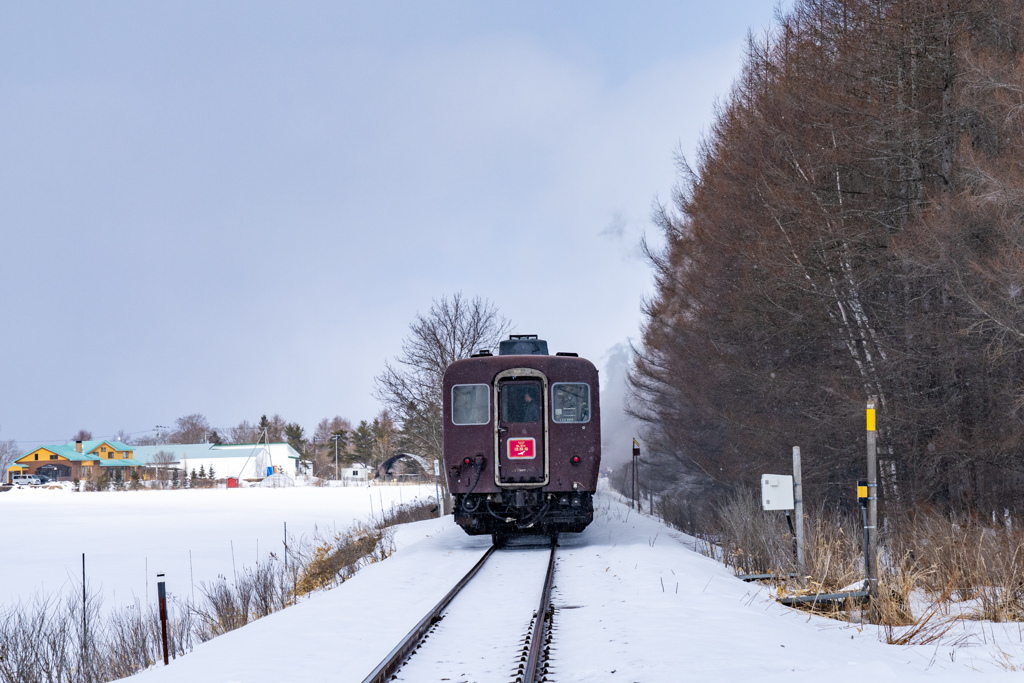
{"type": "Point", "coordinates": [355, 474]}
{"type": "Point", "coordinates": [243, 461]}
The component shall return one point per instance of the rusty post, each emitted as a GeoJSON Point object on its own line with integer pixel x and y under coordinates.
{"type": "Point", "coordinates": [85, 621]}
{"type": "Point", "coordinates": [162, 593]}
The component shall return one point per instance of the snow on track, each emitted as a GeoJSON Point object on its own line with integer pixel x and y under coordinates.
{"type": "Point", "coordinates": [342, 634]}
{"type": "Point", "coordinates": [481, 635]}
{"type": "Point", "coordinates": [613, 621]}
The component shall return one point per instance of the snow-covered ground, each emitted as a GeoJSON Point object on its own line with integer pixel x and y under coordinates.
{"type": "Point", "coordinates": [633, 603]}
{"type": "Point", "coordinates": [130, 536]}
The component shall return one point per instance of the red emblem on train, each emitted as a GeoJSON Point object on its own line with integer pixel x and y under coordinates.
{"type": "Point", "coordinates": [522, 449]}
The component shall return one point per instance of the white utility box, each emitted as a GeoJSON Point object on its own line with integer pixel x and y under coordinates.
{"type": "Point", "coordinates": [777, 492]}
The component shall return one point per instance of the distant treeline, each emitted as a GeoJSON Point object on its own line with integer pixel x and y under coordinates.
{"type": "Point", "coordinates": [852, 225]}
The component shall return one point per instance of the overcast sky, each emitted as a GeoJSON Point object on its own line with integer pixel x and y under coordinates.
{"type": "Point", "coordinates": [237, 208]}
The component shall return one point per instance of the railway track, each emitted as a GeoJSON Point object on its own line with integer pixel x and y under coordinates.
{"type": "Point", "coordinates": [484, 630]}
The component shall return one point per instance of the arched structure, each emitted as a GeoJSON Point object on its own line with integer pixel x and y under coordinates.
{"type": "Point", "coordinates": [384, 469]}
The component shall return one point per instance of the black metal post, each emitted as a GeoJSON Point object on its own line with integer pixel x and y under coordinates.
{"type": "Point", "coordinates": [867, 553]}
{"type": "Point", "coordinates": [162, 594]}
{"type": "Point", "coordinates": [792, 532]}
{"type": "Point", "coordinates": [633, 484]}
{"type": "Point", "coordinates": [636, 475]}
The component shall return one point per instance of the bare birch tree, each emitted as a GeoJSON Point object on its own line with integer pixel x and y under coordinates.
{"type": "Point", "coordinates": [410, 386]}
{"type": "Point", "coordinates": [8, 454]}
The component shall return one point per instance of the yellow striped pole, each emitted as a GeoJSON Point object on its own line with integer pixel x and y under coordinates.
{"type": "Point", "coordinates": [872, 521]}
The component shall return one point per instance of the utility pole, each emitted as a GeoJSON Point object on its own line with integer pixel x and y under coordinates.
{"type": "Point", "coordinates": [335, 439]}
{"type": "Point", "coordinates": [872, 525]}
{"type": "Point", "coordinates": [798, 504]}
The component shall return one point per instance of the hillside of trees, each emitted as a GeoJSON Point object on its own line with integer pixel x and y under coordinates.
{"type": "Point", "coordinates": [852, 225]}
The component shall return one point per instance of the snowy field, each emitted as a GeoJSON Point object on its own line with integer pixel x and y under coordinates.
{"type": "Point", "coordinates": [130, 536]}
{"type": "Point", "coordinates": [633, 603]}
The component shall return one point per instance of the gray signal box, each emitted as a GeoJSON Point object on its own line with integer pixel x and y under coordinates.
{"type": "Point", "coordinates": [777, 491]}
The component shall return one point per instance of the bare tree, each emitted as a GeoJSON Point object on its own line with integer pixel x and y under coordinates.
{"type": "Point", "coordinates": [244, 432]}
{"type": "Point", "coordinates": [162, 461]}
{"type": "Point", "coordinates": [82, 435]}
{"type": "Point", "coordinates": [385, 437]}
{"type": "Point", "coordinates": [124, 437]}
{"type": "Point", "coordinates": [410, 387]}
{"type": "Point", "coordinates": [327, 428]}
{"type": "Point", "coordinates": [8, 454]}
{"type": "Point", "coordinates": [274, 427]}
{"type": "Point", "coordinates": [321, 452]}
{"type": "Point", "coordinates": [192, 428]}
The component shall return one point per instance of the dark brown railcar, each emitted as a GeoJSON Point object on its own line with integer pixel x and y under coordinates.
{"type": "Point", "coordinates": [522, 440]}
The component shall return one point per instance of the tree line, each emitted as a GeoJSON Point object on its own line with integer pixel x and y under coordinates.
{"type": "Point", "coordinates": [370, 442]}
{"type": "Point", "coordinates": [852, 225]}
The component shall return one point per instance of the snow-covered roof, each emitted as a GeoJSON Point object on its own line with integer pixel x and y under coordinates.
{"type": "Point", "coordinates": [209, 451]}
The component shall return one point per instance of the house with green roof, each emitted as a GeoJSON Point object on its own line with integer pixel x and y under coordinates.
{"type": "Point", "coordinates": [85, 459]}
{"type": "Point", "coordinates": [76, 460]}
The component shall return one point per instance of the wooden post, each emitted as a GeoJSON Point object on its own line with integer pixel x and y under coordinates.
{"type": "Point", "coordinates": [872, 556]}
{"type": "Point", "coordinates": [798, 505]}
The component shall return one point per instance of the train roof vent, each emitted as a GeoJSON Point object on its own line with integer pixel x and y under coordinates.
{"type": "Point", "coordinates": [568, 353]}
{"type": "Point", "coordinates": [482, 353]}
{"type": "Point", "coordinates": [523, 345]}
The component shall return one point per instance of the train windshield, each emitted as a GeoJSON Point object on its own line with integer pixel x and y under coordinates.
{"type": "Point", "coordinates": [471, 404]}
{"type": "Point", "coordinates": [520, 402]}
{"type": "Point", "coordinates": [570, 402]}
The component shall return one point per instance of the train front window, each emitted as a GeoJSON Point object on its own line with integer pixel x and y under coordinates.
{"type": "Point", "coordinates": [570, 402]}
{"type": "Point", "coordinates": [520, 402]}
{"type": "Point", "coordinates": [471, 404]}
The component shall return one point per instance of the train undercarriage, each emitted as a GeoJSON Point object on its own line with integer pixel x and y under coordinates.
{"type": "Point", "coordinates": [514, 512]}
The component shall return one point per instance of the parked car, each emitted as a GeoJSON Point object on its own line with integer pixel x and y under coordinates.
{"type": "Point", "coordinates": [25, 480]}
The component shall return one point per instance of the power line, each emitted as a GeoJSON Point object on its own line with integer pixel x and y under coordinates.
{"type": "Point", "coordinates": [111, 436]}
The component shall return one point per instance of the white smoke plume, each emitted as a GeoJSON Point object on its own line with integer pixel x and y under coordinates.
{"type": "Point", "coordinates": [617, 428]}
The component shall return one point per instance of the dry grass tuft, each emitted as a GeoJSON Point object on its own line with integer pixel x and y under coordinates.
{"type": "Point", "coordinates": [966, 566]}
{"type": "Point", "coordinates": [44, 640]}
{"type": "Point", "coordinates": [332, 561]}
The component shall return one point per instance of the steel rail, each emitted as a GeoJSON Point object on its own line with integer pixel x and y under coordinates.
{"type": "Point", "coordinates": [540, 623]}
{"type": "Point", "coordinates": [397, 656]}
